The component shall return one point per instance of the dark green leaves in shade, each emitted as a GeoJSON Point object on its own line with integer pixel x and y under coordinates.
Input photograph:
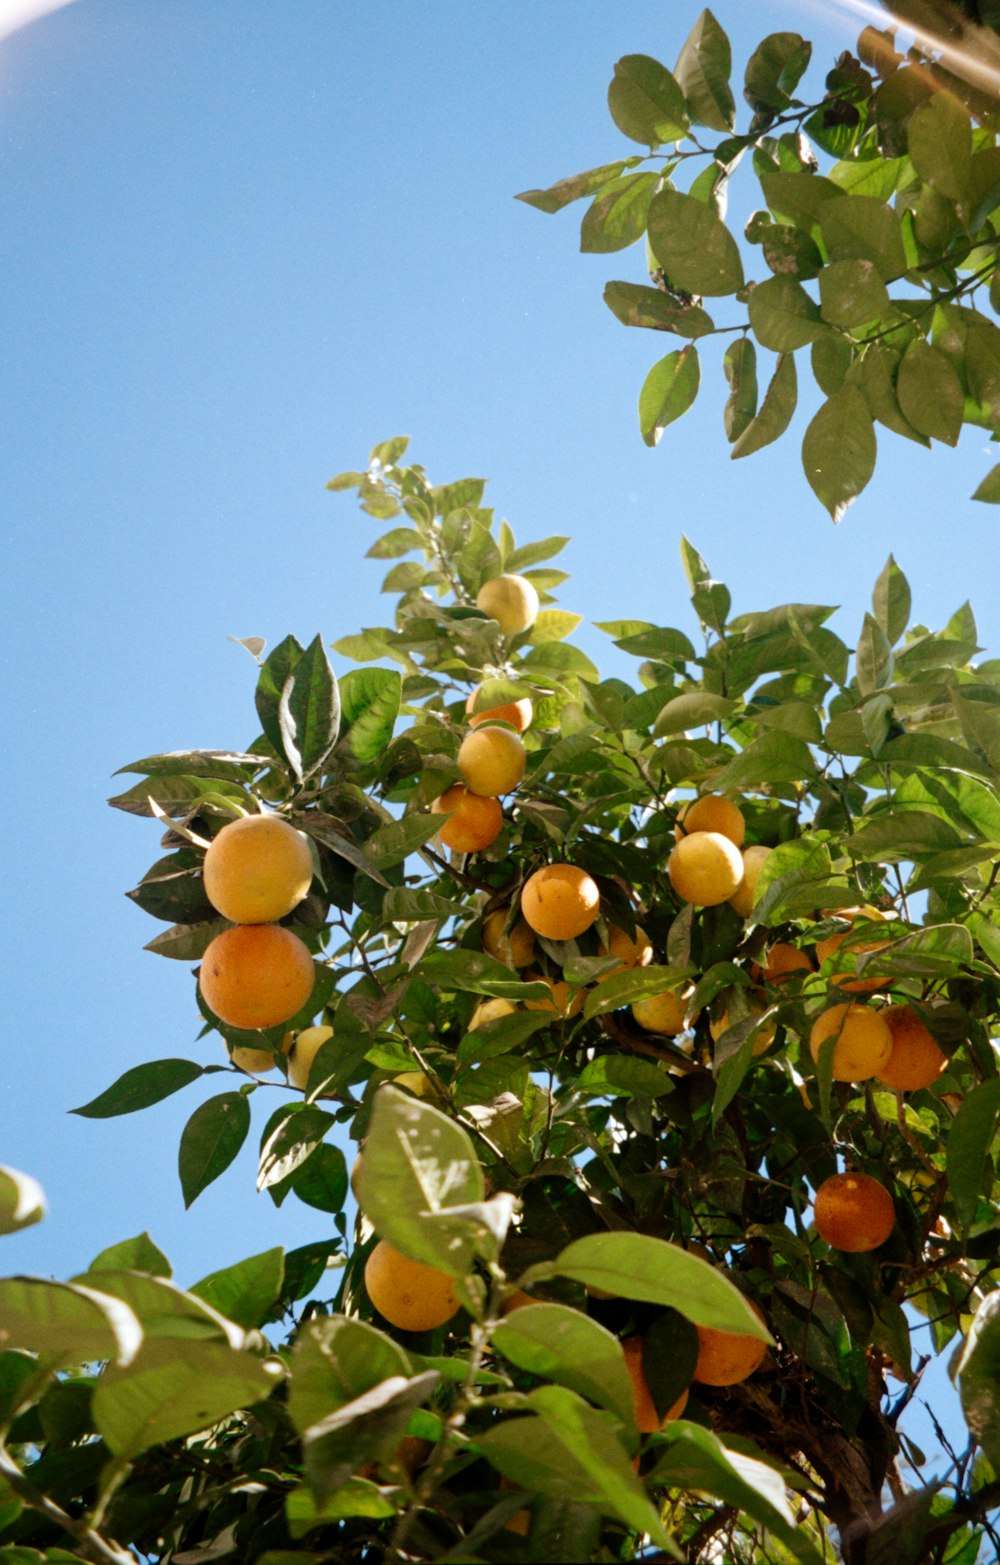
{"type": "Point", "coordinates": [140, 1087]}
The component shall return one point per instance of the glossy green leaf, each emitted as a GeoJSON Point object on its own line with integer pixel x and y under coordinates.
{"type": "Point", "coordinates": [309, 711]}
{"type": "Point", "coordinates": [891, 600]}
{"type": "Point", "coordinates": [774, 70]}
{"type": "Point", "coordinates": [566, 1346]}
{"type": "Point", "coordinates": [335, 1359]}
{"type": "Point", "coordinates": [292, 1141]}
{"type": "Point", "coordinates": [636, 304]}
{"type": "Point", "coordinates": [137, 1254]}
{"type": "Point", "coordinates": [369, 706]}
{"type": "Point", "coordinates": [140, 1087]}
{"type": "Point", "coordinates": [668, 391]}
{"type": "Point", "coordinates": [565, 191]}
{"type": "Point", "coordinates": [395, 841]}
{"type": "Point", "coordinates": [703, 69]}
{"type": "Point", "coordinates": [210, 1140]}
{"type": "Point", "coordinates": [775, 411]}
{"type": "Point", "coordinates": [178, 795]}
{"type": "Point", "coordinates": [614, 1077]}
{"type": "Point", "coordinates": [617, 216]}
{"type": "Point", "coordinates": [67, 1323]}
{"type": "Point", "coordinates": [693, 245]}
{"type": "Point", "coordinates": [186, 942]}
{"type": "Point", "coordinates": [247, 1291]}
{"type": "Point", "coordinates": [645, 101]}
{"type": "Point", "coordinates": [839, 450]}
{"type": "Point", "coordinates": [798, 198]}
{"type": "Point", "coordinates": [369, 1428]}
{"type": "Point", "coordinates": [162, 1308]}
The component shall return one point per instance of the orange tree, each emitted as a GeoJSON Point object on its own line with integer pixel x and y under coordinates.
{"type": "Point", "coordinates": [733, 948]}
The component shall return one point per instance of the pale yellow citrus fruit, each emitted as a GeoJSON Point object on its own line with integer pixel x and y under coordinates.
{"type": "Point", "coordinates": [560, 901]}
{"type": "Point", "coordinates": [514, 946]}
{"type": "Point", "coordinates": [491, 761]}
{"type": "Point", "coordinates": [647, 1418]}
{"type": "Point", "coordinates": [415, 1082]}
{"type": "Point", "coordinates": [490, 1011]}
{"type": "Point", "coordinates": [256, 975]}
{"type": "Point", "coordinates": [664, 1013]}
{"type": "Point", "coordinates": [854, 1212]}
{"type": "Point", "coordinates": [511, 600]}
{"type": "Point", "coordinates": [727, 1357]}
{"type": "Point", "coordinates": [409, 1294]}
{"type": "Point", "coordinates": [256, 1062]}
{"type": "Point", "coordinates": [864, 1042]}
{"type": "Point", "coordinates": [743, 898]}
{"type": "Point", "coordinates": [257, 869]}
{"type": "Point", "coordinates": [304, 1050]}
{"type": "Point", "coordinates": [712, 812]}
{"type": "Point", "coordinates": [705, 868]}
{"type": "Point", "coordinates": [473, 823]}
{"type": "Point", "coordinates": [517, 713]}
{"type": "Point", "coordinates": [561, 1003]}
{"type": "Point", "coordinates": [915, 1061]}
{"type": "Point", "coordinates": [630, 953]}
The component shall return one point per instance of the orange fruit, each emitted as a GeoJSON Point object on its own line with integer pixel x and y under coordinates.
{"type": "Point", "coordinates": [864, 1041]}
{"type": "Point", "coordinates": [473, 822]}
{"type": "Point", "coordinates": [304, 1050]}
{"type": "Point", "coordinates": [516, 1301]}
{"type": "Point", "coordinates": [257, 869]}
{"type": "Point", "coordinates": [511, 600]}
{"type": "Point", "coordinates": [782, 961]}
{"type": "Point", "coordinates": [648, 1421]}
{"type": "Point", "coordinates": [705, 868]}
{"type": "Point", "coordinates": [745, 895]}
{"type": "Point", "coordinates": [514, 946]}
{"type": "Point", "coordinates": [630, 953]}
{"type": "Point", "coordinates": [409, 1294]}
{"type": "Point", "coordinates": [560, 1004]}
{"type": "Point", "coordinates": [491, 761]}
{"type": "Point", "coordinates": [712, 812]}
{"type": "Point", "coordinates": [756, 1005]}
{"type": "Point", "coordinates": [915, 1061]}
{"type": "Point", "coordinates": [854, 946]}
{"type": "Point", "coordinates": [853, 1212]}
{"type": "Point", "coordinates": [560, 901]}
{"type": "Point", "coordinates": [664, 1013]}
{"type": "Point", "coordinates": [256, 975]}
{"type": "Point", "coordinates": [727, 1357]}
{"type": "Point", "coordinates": [517, 713]}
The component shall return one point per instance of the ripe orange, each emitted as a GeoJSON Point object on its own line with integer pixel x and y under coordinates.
{"type": "Point", "coordinates": [630, 953]}
{"type": "Point", "coordinates": [514, 946]}
{"type": "Point", "coordinates": [474, 822]}
{"type": "Point", "coordinates": [756, 1005]}
{"type": "Point", "coordinates": [648, 1421]}
{"type": "Point", "coordinates": [560, 901]}
{"type": "Point", "coordinates": [854, 1212]}
{"type": "Point", "coordinates": [516, 1301]}
{"type": "Point", "coordinates": [712, 812]}
{"type": "Point", "coordinates": [517, 713]}
{"type": "Point", "coordinates": [915, 1061]}
{"type": "Point", "coordinates": [727, 1357]}
{"type": "Point", "coordinates": [745, 895]}
{"type": "Point", "coordinates": [257, 869]}
{"type": "Point", "coordinates": [864, 1041]}
{"type": "Point", "coordinates": [511, 600]}
{"type": "Point", "coordinates": [560, 1004]}
{"type": "Point", "coordinates": [853, 947]}
{"type": "Point", "coordinates": [256, 975]}
{"type": "Point", "coordinates": [782, 961]}
{"type": "Point", "coordinates": [410, 1295]}
{"type": "Point", "coordinates": [705, 868]}
{"type": "Point", "coordinates": [664, 1013]}
{"type": "Point", "coordinates": [491, 761]}
{"type": "Point", "coordinates": [304, 1050]}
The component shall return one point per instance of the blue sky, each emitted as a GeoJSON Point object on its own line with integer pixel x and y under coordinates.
{"type": "Point", "coordinates": [243, 242]}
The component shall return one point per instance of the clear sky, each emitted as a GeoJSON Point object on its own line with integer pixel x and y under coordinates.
{"type": "Point", "coordinates": [242, 242]}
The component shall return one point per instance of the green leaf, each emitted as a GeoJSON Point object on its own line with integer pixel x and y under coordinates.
{"type": "Point", "coordinates": [930, 393]}
{"type": "Point", "coordinates": [572, 1452]}
{"type": "Point", "coordinates": [636, 1266]}
{"type": "Point", "coordinates": [186, 942]}
{"type": "Point", "coordinates": [275, 672]}
{"type": "Point", "coordinates": [740, 365]}
{"type": "Point", "coordinates": [774, 757]}
{"type": "Point", "coordinates": [693, 245]}
{"type": "Point", "coordinates": [851, 293]}
{"type": "Point", "coordinates": [553, 625]}
{"type": "Point", "coordinates": [668, 391]}
{"type": "Point", "coordinates": [873, 657]}
{"type": "Point", "coordinates": [473, 972]}
{"type": "Point", "coordinates": [979, 1377]}
{"type": "Point", "coordinates": [177, 796]}
{"type": "Point", "coordinates": [615, 1076]}
{"type": "Point", "coordinates": [798, 198]}
{"type": "Point", "coordinates": [565, 191]}
{"type": "Point", "coordinates": [972, 1134]}
{"type": "Point", "coordinates": [694, 709]}
{"type": "Point", "coordinates": [617, 216]}
{"type": "Point", "coordinates": [395, 841]}
{"type": "Point", "coordinates": [335, 1359]}
{"type": "Point", "coordinates": [891, 601]}
{"type": "Point", "coordinates": [702, 72]}
{"type": "Point", "coordinates": [162, 1308]}
{"type": "Point", "coordinates": [66, 1323]}
{"type": "Point", "coordinates": [566, 1346]}
{"type": "Point", "coordinates": [989, 488]}
{"type": "Point", "coordinates": [860, 228]}
{"type": "Point", "coordinates": [229, 765]}
{"type": "Point", "coordinates": [322, 1183]}
{"type": "Point", "coordinates": [774, 70]}
{"type": "Point", "coordinates": [22, 1201]}
{"type": "Point", "coordinates": [163, 1395]}
{"type": "Point", "coordinates": [645, 101]}
{"type": "Point", "coordinates": [775, 413]}
{"type": "Point", "coordinates": [398, 541]}
{"type": "Point", "coordinates": [172, 889]}
{"type": "Point", "coordinates": [634, 984]}
{"type": "Point", "coordinates": [367, 1429]}
{"type": "Point", "coordinates": [839, 450]}
{"type": "Point", "coordinates": [369, 707]}
{"type": "Point", "coordinates": [709, 598]}
{"type": "Point", "coordinates": [246, 1292]}
{"type": "Point", "coordinates": [636, 304]}
{"type": "Point", "coordinates": [291, 1142]}
{"type": "Point", "coordinates": [355, 1497]}
{"type": "Point", "coordinates": [939, 142]}
{"type": "Point", "coordinates": [309, 712]}
{"type": "Point", "coordinates": [210, 1140]}
{"type": "Point", "coordinates": [140, 1087]}
{"type": "Point", "coordinates": [783, 316]}
{"type": "Point", "coordinates": [138, 1254]}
